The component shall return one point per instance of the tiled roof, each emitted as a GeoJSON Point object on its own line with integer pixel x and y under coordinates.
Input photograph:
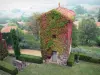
{"type": "Point", "coordinates": [66, 12]}
{"type": "Point", "coordinates": [69, 14]}
{"type": "Point", "coordinates": [98, 24]}
{"type": "Point", "coordinates": [7, 29]}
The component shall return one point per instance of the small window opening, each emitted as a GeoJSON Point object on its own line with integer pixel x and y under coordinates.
{"type": "Point", "coordinates": [53, 36]}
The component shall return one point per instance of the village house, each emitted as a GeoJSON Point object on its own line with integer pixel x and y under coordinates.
{"type": "Point", "coordinates": [55, 34]}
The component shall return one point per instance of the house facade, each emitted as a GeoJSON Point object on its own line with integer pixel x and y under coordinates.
{"type": "Point", "coordinates": [55, 34]}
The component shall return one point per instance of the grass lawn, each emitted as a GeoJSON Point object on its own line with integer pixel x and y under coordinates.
{"type": "Point", "coordinates": [94, 49]}
{"type": "Point", "coordinates": [83, 68]}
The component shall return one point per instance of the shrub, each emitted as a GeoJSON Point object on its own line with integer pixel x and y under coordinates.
{"type": "Point", "coordinates": [74, 36]}
{"type": "Point", "coordinates": [30, 58]}
{"type": "Point", "coordinates": [84, 57]}
{"type": "Point", "coordinates": [88, 52]}
{"type": "Point", "coordinates": [92, 43]}
{"type": "Point", "coordinates": [98, 40]}
{"type": "Point", "coordinates": [70, 61]}
{"type": "Point", "coordinates": [29, 42]}
{"type": "Point", "coordinates": [87, 55]}
{"type": "Point", "coordinates": [94, 60]}
{"type": "Point", "coordinates": [88, 58]}
{"type": "Point", "coordinates": [24, 45]}
{"type": "Point", "coordinates": [15, 41]}
{"type": "Point", "coordinates": [8, 68]}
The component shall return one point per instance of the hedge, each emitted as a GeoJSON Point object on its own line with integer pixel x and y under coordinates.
{"type": "Point", "coordinates": [88, 58]}
{"type": "Point", "coordinates": [84, 57]}
{"type": "Point", "coordinates": [11, 54]}
{"type": "Point", "coordinates": [70, 61]}
{"type": "Point", "coordinates": [8, 68]}
{"type": "Point", "coordinates": [30, 58]}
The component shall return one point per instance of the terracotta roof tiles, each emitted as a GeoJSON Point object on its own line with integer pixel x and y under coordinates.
{"type": "Point", "coordinates": [98, 24]}
{"type": "Point", "coordinates": [66, 12]}
{"type": "Point", "coordinates": [7, 29]}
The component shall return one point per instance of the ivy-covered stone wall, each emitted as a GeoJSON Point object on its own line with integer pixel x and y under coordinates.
{"type": "Point", "coordinates": [53, 32]}
{"type": "Point", "coordinates": [3, 48]}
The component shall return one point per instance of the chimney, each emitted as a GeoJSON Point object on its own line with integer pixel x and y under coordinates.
{"type": "Point", "coordinates": [59, 4]}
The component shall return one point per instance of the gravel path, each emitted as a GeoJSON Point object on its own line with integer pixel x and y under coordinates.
{"type": "Point", "coordinates": [29, 52]}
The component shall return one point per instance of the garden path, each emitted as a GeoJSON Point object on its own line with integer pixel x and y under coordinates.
{"type": "Point", "coordinates": [29, 52]}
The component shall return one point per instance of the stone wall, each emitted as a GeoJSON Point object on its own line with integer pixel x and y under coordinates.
{"type": "Point", "coordinates": [3, 48]}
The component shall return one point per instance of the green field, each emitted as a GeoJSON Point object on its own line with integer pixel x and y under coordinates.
{"type": "Point", "coordinates": [83, 68]}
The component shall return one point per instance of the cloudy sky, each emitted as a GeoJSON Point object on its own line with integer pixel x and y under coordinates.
{"type": "Point", "coordinates": [25, 4]}
{"type": "Point", "coordinates": [40, 4]}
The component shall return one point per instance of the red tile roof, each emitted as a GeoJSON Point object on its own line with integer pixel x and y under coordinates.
{"type": "Point", "coordinates": [7, 29]}
{"type": "Point", "coordinates": [66, 12]}
{"type": "Point", "coordinates": [98, 24]}
{"type": "Point", "coordinates": [69, 14]}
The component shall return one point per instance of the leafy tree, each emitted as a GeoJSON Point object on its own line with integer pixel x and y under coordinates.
{"type": "Point", "coordinates": [34, 25]}
{"type": "Point", "coordinates": [74, 36]}
{"type": "Point", "coordinates": [99, 16]}
{"type": "Point", "coordinates": [15, 41]}
{"type": "Point", "coordinates": [88, 31]}
{"type": "Point", "coordinates": [79, 9]}
{"type": "Point", "coordinates": [12, 24]}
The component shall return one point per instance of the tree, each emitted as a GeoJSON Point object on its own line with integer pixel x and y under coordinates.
{"type": "Point", "coordinates": [74, 36]}
{"type": "Point", "coordinates": [15, 41]}
{"type": "Point", "coordinates": [34, 25]}
{"type": "Point", "coordinates": [88, 31]}
{"type": "Point", "coordinates": [79, 9]}
{"type": "Point", "coordinates": [13, 22]}
{"type": "Point", "coordinates": [98, 16]}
